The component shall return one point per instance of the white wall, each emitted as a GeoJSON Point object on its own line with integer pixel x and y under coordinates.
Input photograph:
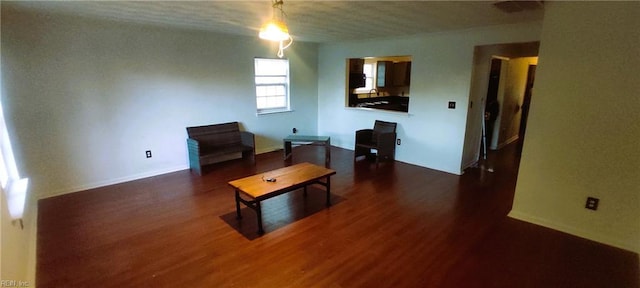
{"type": "Point", "coordinates": [84, 98]}
{"type": "Point", "coordinates": [432, 135]}
{"type": "Point", "coordinates": [17, 245]}
{"type": "Point", "coordinates": [583, 134]}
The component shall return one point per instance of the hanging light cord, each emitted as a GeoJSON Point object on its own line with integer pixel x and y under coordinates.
{"type": "Point", "coordinates": [277, 4]}
{"type": "Point", "coordinates": [282, 47]}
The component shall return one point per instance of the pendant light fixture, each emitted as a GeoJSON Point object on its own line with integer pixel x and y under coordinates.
{"type": "Point", "coordinates": [276, 29]}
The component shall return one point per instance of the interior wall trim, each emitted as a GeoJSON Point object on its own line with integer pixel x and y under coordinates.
{"type": "Point", "coordinates": [625, 244]}
{"type": "Point", "coordinates": [98, 184]}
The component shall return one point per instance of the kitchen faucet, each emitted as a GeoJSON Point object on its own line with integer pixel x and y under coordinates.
{"type": "Point", "coordinates": [374, 89]}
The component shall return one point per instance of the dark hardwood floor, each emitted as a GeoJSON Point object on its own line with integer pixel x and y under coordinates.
{"type": "Point", "coordinates": [396, 226]}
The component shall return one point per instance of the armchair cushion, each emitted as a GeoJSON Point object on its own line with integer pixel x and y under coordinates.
{"type": "Point", "coordinates": [365, 136]}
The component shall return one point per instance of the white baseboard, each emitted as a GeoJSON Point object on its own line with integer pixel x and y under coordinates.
{"type": "Point", "coordinates": [114, 181]}
{"type": "Point", "coordinates": [626, 244]}
{"type": "Point", "coordinates": [469, 164]}
{"type": "Point", "coordinates": [108, 182]}
{"type": "Point", "coordinates": [268, 149]}
{"type": "Point", "coordinates": [507, 142]}
{"type": "Point", "coordinates": [499, 146]}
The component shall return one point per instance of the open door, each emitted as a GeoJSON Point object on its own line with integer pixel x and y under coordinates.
{"type": "Point", "coordinates": [494, 97]}
{"type": "Point", "coordinates": [526, 103]}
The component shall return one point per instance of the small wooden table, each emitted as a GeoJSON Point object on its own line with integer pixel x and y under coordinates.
{"type": "Point", "coordinates": [287, 179]}
{"type": "Point", "coordinates": [310, 140]}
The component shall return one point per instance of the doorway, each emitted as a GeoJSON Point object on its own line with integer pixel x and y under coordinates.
{"type": "Point", "coordinates": [508, 97]}
{"type": "Point", "coordinates": [507, 126]}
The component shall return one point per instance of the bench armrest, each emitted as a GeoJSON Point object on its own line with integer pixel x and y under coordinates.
{"type": "Point", "coordinates": [194, 146]}
{"type": "Point", "coordinates": [248, 139]}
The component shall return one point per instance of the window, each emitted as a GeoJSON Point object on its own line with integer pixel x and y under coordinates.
{"type": "Point", "coordinates": [272, 85]}
{"type": "Point", "coordinates": [14, 187]}
{"type": "Point", "coordinates": [369, 71]}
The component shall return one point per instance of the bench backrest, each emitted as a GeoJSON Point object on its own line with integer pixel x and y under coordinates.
{"type": "Point", "coordinates": [226, 134]}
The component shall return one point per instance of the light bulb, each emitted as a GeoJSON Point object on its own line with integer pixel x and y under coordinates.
{"type": "Point", "coordinates": [274, 30]}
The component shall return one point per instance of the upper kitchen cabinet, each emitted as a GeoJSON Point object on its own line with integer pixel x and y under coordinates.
{"type": "Point", "coordinates": [384, 74]}
{"type": "Point", "coordinates": [402, 73]}
{"type": "Point", "coordinates": [357, 78]}
{"type": "Point", "coordinates": [356, 65]}
{"type": "Point", "coordinates": [393, 74]}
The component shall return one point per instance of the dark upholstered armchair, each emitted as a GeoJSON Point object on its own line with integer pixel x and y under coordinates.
{"type": "Point", "coordinates": [381, 138]}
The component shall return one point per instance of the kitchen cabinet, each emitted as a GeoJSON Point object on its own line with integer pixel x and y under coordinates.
{"type": "Point", "coordinates": [356, 65]}
{"type": "Point", "coordinates": [384, 72]}
{"type": "Point", "coordinates": [401, 73]}
{"type": "Point", "coordinates": [393, 74]}
{"type": "Point", "coordinates": [357, 79]}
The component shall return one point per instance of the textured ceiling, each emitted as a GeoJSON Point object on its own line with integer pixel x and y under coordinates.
{"type": "Point", "coordinates": [312, 21]}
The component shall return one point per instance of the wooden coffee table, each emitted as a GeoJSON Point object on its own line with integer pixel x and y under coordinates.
{"type": "Point", "coordinates": [257, 187]}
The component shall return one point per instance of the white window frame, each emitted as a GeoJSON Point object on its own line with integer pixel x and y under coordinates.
{"type": "Point", "coordinates": [271, 86]}
{"type": "Point", "coordinates": [14, 187]}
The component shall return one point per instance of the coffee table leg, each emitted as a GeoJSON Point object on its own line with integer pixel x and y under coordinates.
{"type": "Point", "coordinates": [259, 214]}
{"type": "Point", "coordinates": [238, 215]}
{"type": "Point", "coordinates": [328, 191]}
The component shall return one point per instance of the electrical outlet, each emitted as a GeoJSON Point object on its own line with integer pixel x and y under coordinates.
{"type": "Point", "coordinates": [592, 203]}
{"type": "Point", "coordinates": [452, 105]}
{"type": "Point", "coordinates": [148, 153]}
{"type": "Point", "coordinates": [294, 130]}
{"type": "Point", "coordinates": [399, 141]}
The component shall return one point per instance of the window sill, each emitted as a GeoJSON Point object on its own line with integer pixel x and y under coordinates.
{"type": "Point", "coordinates": [16, 193]}
{"type": "Point", "coordinates": [261, 113]}
{"type": "Point", "coordinates": [379, 110]}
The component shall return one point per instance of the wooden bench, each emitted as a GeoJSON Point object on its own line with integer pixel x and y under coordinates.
{"type": "Point", "coordinates": [219, 142]}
